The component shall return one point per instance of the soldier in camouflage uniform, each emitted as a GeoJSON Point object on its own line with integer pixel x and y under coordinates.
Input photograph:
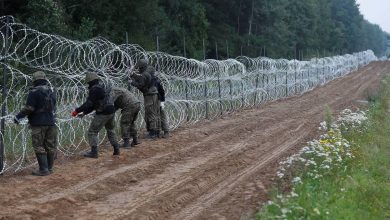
{"type": "Point", "coordinates": [39, 109]}
{"type": "Point", "coordinates": [130, 107]}
{"type": "Point", "coordinates": [100, 100]}
{"type": "Point", "coordinates": [145, 82]}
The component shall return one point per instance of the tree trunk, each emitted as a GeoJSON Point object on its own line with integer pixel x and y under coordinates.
{"type": "Point", "coordinates": [251, 18]}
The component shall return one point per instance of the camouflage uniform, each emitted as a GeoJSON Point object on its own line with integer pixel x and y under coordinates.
{"type": "Point", "coordinates": [39, 109]}
{"type": "Point", "coordinates": [130, 107]}
{"type": "Point", "coordinates": [145, 82]}
{"type": "Point", "coordinates": [99, 100]}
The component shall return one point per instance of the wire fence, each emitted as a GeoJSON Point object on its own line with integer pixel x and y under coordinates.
{"type": "Point", "coordinates": [195, 90]}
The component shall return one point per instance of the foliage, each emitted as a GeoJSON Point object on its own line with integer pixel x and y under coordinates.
{"type": "Point", "coordinates": [277, 28]}
{"type": "Point", "coordinates": [345, 174]}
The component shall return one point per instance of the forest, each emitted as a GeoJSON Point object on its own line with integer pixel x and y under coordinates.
{"type": "Point", "coordinates": [210, 29]}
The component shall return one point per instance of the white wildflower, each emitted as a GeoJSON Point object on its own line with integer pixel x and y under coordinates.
{"type": "Point", "coordinates": [297, 180]}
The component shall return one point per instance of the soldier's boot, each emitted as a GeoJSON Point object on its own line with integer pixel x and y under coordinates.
{"type": "Point", "coordinates": [135, 141]}
{"type": "Point", "coordinates": [126, 143]}
{"type": "Point", "coordinates": [152, 135]}
{"type": "Point", "coordinates": [50, 161]}
{"type": "Point", "coordinates": [42, 162]}
{"type": "Point", "coordinates": [116, 150]}
{"type": "Point", "coordinates": [93, 153]}
{"type": "Point", "coordinates": [158, 135]}
{"type": "Point", "coordinates": [166, 134]}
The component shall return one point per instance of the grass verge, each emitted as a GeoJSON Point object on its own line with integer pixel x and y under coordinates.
{"type": "Point", "coordinates": [340, 186]}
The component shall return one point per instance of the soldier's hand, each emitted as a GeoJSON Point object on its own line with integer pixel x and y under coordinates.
{"type": "Point", "coordinates": [74, 113]}
{"type": "Point", "coordinates": [162, 105]}
{"type": "Point", "coordinates": [16, 120]}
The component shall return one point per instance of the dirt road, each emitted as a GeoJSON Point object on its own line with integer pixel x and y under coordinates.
{"type": "Point", "coordinates": [215, 170]}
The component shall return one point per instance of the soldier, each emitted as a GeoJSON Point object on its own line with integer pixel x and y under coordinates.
{"type": "Point", "coordinates": [163, 115]}
{"type": "Point", "coordinates": [39, 109]}
{"type": "Point", "coordinates": [100, 100]}
{"type": "Point", "coordinates": [130, 107]}
{"type": "Point", "coordinates": [144, 81]}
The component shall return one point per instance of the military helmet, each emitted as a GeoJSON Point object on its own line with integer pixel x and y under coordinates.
{"type": "Point", "coordinates": [90, 76]}
{"type": "Point", "coordinates": [141, 64]}
{"type": "Point", "coordinates": [38, 75]}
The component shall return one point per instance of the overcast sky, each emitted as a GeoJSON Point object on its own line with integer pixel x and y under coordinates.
{"type": "Point", "coordinates": [377, 12]}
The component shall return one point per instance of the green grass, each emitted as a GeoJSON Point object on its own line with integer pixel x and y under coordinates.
{"type": "Point", "coordinates": [360, 190]}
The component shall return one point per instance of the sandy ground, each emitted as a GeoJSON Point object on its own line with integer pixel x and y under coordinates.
{"type": "Point", "coordinates": [217, 169]}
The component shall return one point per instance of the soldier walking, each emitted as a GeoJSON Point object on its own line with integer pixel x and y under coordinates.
{"type": "Point", "coordinates": [99, 100]}
{"type": "Point", "coordinates": [40, 109]}
{"type": "Point", "coordinates": [130, 107]}
{"type": "Point", "coordinates": [145, 82]}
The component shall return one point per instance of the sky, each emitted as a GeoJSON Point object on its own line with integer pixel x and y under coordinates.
{"type": "Point", "coordinates": [377, 12]}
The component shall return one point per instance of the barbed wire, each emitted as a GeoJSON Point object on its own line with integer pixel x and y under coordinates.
{"type": "Point", "coordinates": [195, 89]}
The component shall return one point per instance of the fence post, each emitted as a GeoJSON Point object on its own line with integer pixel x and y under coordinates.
{"type": "Point", "coordinates": [287, 81]}
{"type": "Point", "coordinates": [4, 93]}
{"type": "Point", "coordinates": [129, 87]}
{"type": "Point", "coordinates": [231, 94]}
{"type": "Point", "coordinates": [227, 50]}
{"type": "Point", "coordinates": [295, 77]}
{"type": "Point", "coordinates": [205, 82]}
{"type": "Point", "coordinates": [257, 86]}
{"type": "Point", "coordinates": [216, 50]}
{"type": "Point", "coordinates": [219, 91]}
{"type": "Point", "coordinates": [186, 81]}
{"type": "Point", "coordinates": [276, 75]}
{"type": "Point", "coordinates": [187, 104]}
{"type": "Point", "coordinates": [184, 45]}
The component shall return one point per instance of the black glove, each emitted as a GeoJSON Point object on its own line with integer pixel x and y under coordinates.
{"type": "Point", "coordinates": [16, 120]}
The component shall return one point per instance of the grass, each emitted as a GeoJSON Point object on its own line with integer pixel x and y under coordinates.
{"type": "Point", "coordinates": [360, 189]}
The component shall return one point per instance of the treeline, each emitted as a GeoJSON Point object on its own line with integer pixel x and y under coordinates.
{"type": "Point", "coordinates": [210, 28]}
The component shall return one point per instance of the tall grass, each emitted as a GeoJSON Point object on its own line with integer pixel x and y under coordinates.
{"type": "Point", "coordinates": [360, 189]}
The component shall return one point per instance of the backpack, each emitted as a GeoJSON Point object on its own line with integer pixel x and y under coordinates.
{"type": "Point", "coordinates": [48, 99]}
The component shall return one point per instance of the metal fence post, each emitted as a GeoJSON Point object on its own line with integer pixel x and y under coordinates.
{"type": "Point", "coordinates": [205, 82]}
{"type": "Point", "coordinates": [4, 93]}
{"type": "Point", "coordinates": [219, 92]}
{"type": "Point", "coordinates": [257, 85]}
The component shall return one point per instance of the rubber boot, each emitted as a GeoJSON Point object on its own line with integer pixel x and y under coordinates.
{"type": "Point", "coordinates": [42, 162]}
{"type": "Point", "coordinates": [135, 141]}
{"type": "Point", "coordinates": [93, 153]}
{"type": "Point", "coordinates": [152, 135]}
{"type": "Point", "coordinates": [166, 134]}
{"type": "Point", "coordinates": [116, 150]}
{"type": "Point", "coordinates": [126, 143]}
{"type": "Point", "coordinates": [50, 161]}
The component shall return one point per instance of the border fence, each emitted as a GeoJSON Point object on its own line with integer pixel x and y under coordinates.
{"type": "Point", "coordinates": [196, 90]}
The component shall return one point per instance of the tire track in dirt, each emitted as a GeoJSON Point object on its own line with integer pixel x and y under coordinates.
{"type": "Point", "coordinates": [50, 196]}
{"type": "Point", "coordinates": [226, 186]}
{"type": "Point", "coordinates": [194, 173]}
{"type": "Point", "coordinates": [251, 189]}
{"type": "Point", "coordinates": [150, 189]}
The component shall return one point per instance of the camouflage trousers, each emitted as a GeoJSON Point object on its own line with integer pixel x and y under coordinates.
{"type": "Point", "coordinates": [44, 139]}
{"type": "Point", "coordinates": [164, 120]}
{"type": "Point", "coordinates": [97, 124]}
{"type": "Point", "coordinates": [152, 112]}
{"type": "Point", "coordinates": [128, 119]}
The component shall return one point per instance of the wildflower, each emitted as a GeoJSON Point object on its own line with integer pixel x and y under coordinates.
{"type": "Point", "coordinates": [317, 211]}
{"type": "Point", "coordinates": [297, 180]}
{"type": "Point", "coordinates": [293, 194]}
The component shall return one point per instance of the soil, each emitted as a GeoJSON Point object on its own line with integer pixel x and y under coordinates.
{"type": "Point", "coordinates": [220, 169]}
